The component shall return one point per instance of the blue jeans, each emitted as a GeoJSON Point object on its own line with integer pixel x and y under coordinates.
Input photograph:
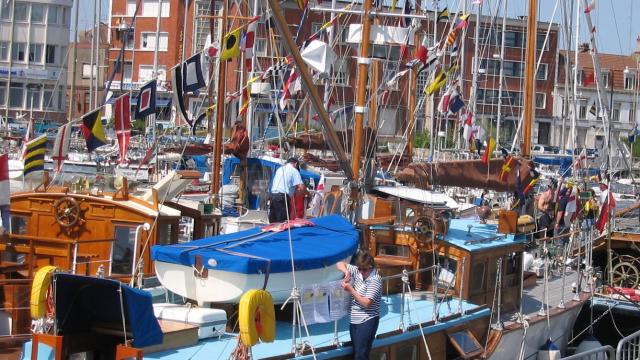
{"type": "Point", "coordinates": [362, 336]}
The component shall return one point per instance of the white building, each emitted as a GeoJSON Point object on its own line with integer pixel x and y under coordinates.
{"type": "Point", "coordinates": [34, 43]}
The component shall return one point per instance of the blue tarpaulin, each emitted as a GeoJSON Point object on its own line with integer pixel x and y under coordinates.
{"type": "Point", "coordinates": [253, 251]}
{"type": "Point", "coordinates": [84, 302]}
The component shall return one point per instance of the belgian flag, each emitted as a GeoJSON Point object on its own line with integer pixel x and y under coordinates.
{"type": "Point", "coordinates": [34, 155]}
{"type": "Point", "coordinates": [93, 131]}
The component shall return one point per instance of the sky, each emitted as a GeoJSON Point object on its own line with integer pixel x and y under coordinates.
{"type": "Point", "coordinates": [616, 31]}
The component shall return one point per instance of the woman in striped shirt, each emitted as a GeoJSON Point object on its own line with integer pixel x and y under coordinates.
{"type": "Point", "coordinates": [365, 286]}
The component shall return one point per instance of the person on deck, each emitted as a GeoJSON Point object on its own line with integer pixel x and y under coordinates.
{"type": "Point", "coordinates": [286, 182]}
{"type": "Point", "coordinates": [365, 286]}
{"type": "Point", "coordinates": [545, 205]}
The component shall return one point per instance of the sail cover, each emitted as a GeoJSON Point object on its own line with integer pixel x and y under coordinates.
{"type": "Point", "coordinates": [331, 239]}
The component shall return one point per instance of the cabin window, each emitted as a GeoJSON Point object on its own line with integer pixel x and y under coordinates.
{"type": "Point", "coordinates": [18, 225]}
{"type": "Point", "coordinates": [512, 264]}
{"type": "Point", "coordinates": [408, 352]}
{"type": "Point", "coordinates": [164, 234]}
{"type": "Point", "coordinates": [393, 250]}
{"type": "Point", "coordinates": [465, 344]}
{"type": "Point", "coordinates": [123, 249]}
{"type": "Point", "coordinates": [477, 277]}
{"type": "Point", "coordinates": [378, 355]}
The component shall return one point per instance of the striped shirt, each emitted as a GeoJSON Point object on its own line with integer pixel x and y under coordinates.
{"type": "Point", "coordinates": [371, 288]}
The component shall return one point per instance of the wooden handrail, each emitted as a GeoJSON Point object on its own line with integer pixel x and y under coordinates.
{"type": "Point", "coordinates": [55, 240]}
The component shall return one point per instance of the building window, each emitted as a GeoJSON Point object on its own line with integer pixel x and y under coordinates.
{"type": "Point", "coordinates": [128, 72]}
{"type": "Point", "coordinates": [542, 72]}
{"type": "Point", "coordinates": [16, 95]}
{"type": "Point", "coordinates": [629, 81]}
{"type": "Point", "coordinates": [150, 8]}
{"type": "Point", "coordinates": [148, 41]}
{"type": "Point", "coordinates": [5, 10]}
{"type": "Point", "coordinates": [632, 116]}
{"type": "Point", "coordinates": [3, 92]}
{"type": "Point", "coordinates": [4, 50]}
{"type": "Point", "coordinates": [580, 77]}
{"type": "Point", "coordinates": [541, 100]}
{"type": "Point", "coordinates": [582, 112]}
{"type": "Point", "coordinates": [18, 51]}
{"type": "Point", "coordinates": [52, 15]}
{"type": "Point", "coordinates": [86, 71]}
{"type": "Point", "coordinates": [131, 7]}
{"type": "Point", "coordinates": [201, 25]}
{"type": "Point", "coordinates": [47, 97]}
{"type": "Point", "coordinates": [615, 113]}
{"type": "Point", "coordinates": [50, 54]}
{"type": "Point", "coordinates": [606, 75]}
{"type": "Point", "coordinates": [21, 11]}
{"type": "Point", "coordinates": [35, 53]}
{"type": "Point", "coordinates": [260, 47]}
{"type": "Point", "coordinates": [62, 103]}
{"type": "Point", "coordinates": [65, 16]}
{"type": "Point", "coordinates": [129, 39]}
{"type": "Point", "coordinates": [64, 55]}
{"type": "Point", "coordinates": [341, 71]}
{"type": "Point", "coordinates": [315, 27]}
{"type": "Point", "coordinates": [33, 96]}
{"type": "Point", "coordinates": [37, 13]}
{"type": "Point", "coordinates": [145, 73]}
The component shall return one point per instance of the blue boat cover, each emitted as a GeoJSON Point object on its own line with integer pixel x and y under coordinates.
{"type": "Point", "coordinates": [253, 251]}
{"type": "Point", "coordinates": [83, 302]}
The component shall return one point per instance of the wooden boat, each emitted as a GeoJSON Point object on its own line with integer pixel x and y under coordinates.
{"type": "Point", "coordinates": [86, 231]}
{"type": "Point", "coordinates": [477, 256]}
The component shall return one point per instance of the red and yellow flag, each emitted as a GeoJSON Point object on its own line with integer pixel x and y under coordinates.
{"type": "Point", "coordinates": [491, 147]}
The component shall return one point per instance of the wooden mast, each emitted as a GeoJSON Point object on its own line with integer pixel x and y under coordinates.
{"type": "Point", "coordinates": [310, 87]}
{"type": "Point", "coordinates": [217, 140]}
{"type": "Point", "coordinates": [413, 76]}
{"type": "Point", "coordinates": [361, 96]}
{"type": "Point", "coordinates": [529, 77]}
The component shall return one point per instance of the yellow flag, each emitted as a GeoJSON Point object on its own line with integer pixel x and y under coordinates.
{"type": "Point", "coordinates": [436, 84]}
{"type": "Point", "coordinates": [488, 151]}
{"type": "Point", "coordinates": [231, 45]}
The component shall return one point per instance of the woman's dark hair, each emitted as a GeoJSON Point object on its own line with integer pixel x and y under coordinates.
{"type": "Point", "coordinates": [364, 259]}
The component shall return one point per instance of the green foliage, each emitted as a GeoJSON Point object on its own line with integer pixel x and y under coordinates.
{"type": "Point", "coordinates": [422, 139]}
{"type": "Point", "coordinates": [636, 145]}
{"type": "Point", "coordinates": [138, 125]}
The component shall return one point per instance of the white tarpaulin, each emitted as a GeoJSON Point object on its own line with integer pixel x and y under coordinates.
{"type": "Point", "coordinates": [319, 56]}
{"type": "Point", "coordinates": [382, 35]}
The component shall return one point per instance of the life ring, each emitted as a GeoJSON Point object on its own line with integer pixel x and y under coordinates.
{"type": "Point", "coordinates": [40, 287]}
{"type": "Point", "coordinates": [256, 317]}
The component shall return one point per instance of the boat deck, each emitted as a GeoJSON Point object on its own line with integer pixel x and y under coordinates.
{"type": "Point", "coordinates": [322, 335]}
{"type": "Point", "coordinates": [533, 297]}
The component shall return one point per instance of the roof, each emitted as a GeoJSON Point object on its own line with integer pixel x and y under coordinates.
{"type": "Point", "coordinates": [473, 236]}
{"type": "Point", "coordinates": [422, 196]}
{"type": "Point", "coordinates": [611, 62]}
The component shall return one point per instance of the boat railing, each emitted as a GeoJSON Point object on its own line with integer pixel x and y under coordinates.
{"type": "Point", "coordinates": [602, 352]}
{"type": "Point", "coordinates": [628, 347]}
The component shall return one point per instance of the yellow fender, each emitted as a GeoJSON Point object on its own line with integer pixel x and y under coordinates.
{"type": "Point", "coordinates": [256, 317]}
{"type": "Point", "coordinates": [39, 287]}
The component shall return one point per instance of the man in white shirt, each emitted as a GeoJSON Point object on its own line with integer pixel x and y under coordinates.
{"type": "Point", "coordinates": [285, 182]}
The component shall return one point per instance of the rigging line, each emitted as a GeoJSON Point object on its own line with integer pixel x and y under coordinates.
{"type": "Point", "coordinates": [615, 21]}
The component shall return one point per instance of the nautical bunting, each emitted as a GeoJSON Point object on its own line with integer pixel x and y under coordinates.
{"type": "Point", "coordinates": [608, 206]}
{"type": "Point", "coordinates": [231, 45]}
{"type": "Point", "coordinates": [287, 90]}
{"type": "Point", "coordinates": [506, 168]}
{"type": "Point", "coordinates": [633, 134]}
{"type": "Point", "coordinates": [443, 106]}
{"type": "Point", "coordinates": [590, 7]}
{"type": "Point", "coordinates": [192, 74]}
{"type": "Point", "coordinates": [451, 38]}
{"type": "Point", "coordinates": [92, 130]}
{"type": "Point", "coordinates": [122, 111]}
{"type": "Point", "coordinates": [247, 43]}
{"type": "Point", "coordinates": [443, 15]}
{"type": "Point", "coordinates": [394, 80]}
{"type": "Point", "coordinates": [437, 83]}
{"type": "Point", "coordinates": [61, 147]}
{"type": "Point", "coordinates": [462, 22]}
{"type": "Point", "coordinates": [455, 103]}
{"type": "Point", "coordinates": [34, 155]}
{"type": "Point", "coordinates": [588, 79]}
{"type": "Point", "coordinates": [146, 100]}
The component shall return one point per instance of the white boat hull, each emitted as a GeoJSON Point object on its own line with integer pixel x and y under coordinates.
{"type": "Point", "coordinates": [227, 287]}
{"type": "Point", "coordinates": [538, 333]}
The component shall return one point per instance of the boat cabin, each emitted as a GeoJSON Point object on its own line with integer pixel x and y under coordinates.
{"type": "Point", "coordinates": [467, 250]}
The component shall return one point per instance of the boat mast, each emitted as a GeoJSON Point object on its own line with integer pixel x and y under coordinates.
{"type": "Point", "coordinates": [413, 77]}
{"type": "Point", "coordinates": [565, 105]}
{"type": "Point", "coordinates": [310, 88]}
{"type": "Point", "coordinates": [328, 81]}
{"type": "Point", "coordinates": [501, 75]}
{"type": "Point", "coordinates": [93, 49]}
{"type": "Point", "coordinates": [476, 66]}
{"type": "Point", "coordinates": [463, 40]}
{"type": "Point", "coordinates": [574, 117]}
{"type": "Point", "coordinates": [363, 71]}
{"type": "Point", "coordinates": [529, 76]}
{"type": "Point", "coordinates": [222, 70]}
{"type": "Point", "coordinates": [72, 102]}
{"type": "Point", "coordinates": [432, 123]}
{"type": "Point", "coordinates": [97, 63]}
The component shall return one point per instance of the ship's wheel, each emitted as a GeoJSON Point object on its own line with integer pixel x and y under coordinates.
{"type": "Point", "coordinates": [625, 274]}
{"type": "Point", "coordinates": [66, 211]}
{"type": "Point", "coordinates": [423, 229]}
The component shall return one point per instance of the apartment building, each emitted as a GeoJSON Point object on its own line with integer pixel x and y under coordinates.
{"type": "Point", "coordinates": [34, 45]}
{"type": "Point", "coordinates": [618, 98]}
